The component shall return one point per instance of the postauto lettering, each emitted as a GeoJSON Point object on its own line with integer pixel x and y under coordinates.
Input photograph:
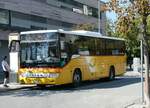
{"type": "Point", "coordinates": [40, 75]}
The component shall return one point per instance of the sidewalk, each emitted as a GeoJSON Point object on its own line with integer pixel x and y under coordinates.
{"type": "Point", "coordinates": [14, 86]}
{"type": "Point", "coordinates": [137, 103]}
{"type": "Point", "coordinates": [136, 106]}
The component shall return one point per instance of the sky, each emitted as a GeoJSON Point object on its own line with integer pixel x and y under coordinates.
{"type": "Point", "coordinates": [110, 15]}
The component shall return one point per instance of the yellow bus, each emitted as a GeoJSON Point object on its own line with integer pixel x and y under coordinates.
{"type": "Point", "coordinates": [61, 57]}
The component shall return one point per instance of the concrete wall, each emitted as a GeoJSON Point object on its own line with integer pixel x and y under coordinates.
{"type": "Point", "coordinates": [53, 12]}
{"type": "Point", "coordinates": [4, 35]}
{"type": "Point", "coordinates": [45, 10]}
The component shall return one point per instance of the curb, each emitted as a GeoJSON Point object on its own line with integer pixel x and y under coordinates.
{"type": "Point", "coordinates": [135, 104]}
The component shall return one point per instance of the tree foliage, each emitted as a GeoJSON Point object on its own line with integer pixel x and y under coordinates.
{"type": "Point", "coordinates": [133, 19]}
{"type": "Point", "coordinates": [132, 42]}
{"type": "Point", "coordinates": [130, 16]}
{"type": "Point", "coordinates": [110, 28]}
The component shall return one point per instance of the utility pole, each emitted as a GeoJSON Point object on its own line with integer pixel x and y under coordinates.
{"type": "Point", "coordinates": [99, 21]}
{"type": "Point", "coordinates": [141, 35]}
{"type": "Point", "coordinates": [142, 83]}
{"type": "Point", "coordinates": [146, 60]}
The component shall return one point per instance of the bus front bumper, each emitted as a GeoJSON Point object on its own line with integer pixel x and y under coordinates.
{"type": "Point", "coordinates": [38, 78]}
{"type": "Point", "coordinates": [43, 81]}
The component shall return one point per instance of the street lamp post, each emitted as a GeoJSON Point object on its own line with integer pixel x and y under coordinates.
{"type": "Point", "coordinates": [141, 48]}
{"type": "Point", "coordinates": [142, 83]}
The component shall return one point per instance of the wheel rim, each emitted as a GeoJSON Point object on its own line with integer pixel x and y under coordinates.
{"type": "Point", "coordinates": [111, 77]}
{"type": "Point", "coordinates": [76, 78]}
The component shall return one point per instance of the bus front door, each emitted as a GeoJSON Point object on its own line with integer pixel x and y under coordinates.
{"type": "Point", "coordinates": [14, 47]}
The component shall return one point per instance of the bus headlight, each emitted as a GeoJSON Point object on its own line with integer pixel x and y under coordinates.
{"type": "Point", "coordinates": [39, 75]}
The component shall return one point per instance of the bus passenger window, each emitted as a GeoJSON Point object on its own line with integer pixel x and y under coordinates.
{"type": "Point", "coordinates": [115, 52]}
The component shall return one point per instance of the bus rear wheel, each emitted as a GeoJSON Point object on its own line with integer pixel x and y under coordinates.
{"type": "Point", "coordinates": [112, 73]}
{"type": "Point", "coordinates": [76, 78]}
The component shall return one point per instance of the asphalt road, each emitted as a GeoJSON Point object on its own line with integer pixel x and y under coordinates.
{"type": "Point", "coordinates": [95, 94]}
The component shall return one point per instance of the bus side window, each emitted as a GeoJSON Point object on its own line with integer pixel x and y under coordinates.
{"type": "Point", "coordinates": [115, 52]}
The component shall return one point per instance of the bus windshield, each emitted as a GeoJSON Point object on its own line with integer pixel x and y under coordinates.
{"type": "Point", "coordinates": [39, 52]}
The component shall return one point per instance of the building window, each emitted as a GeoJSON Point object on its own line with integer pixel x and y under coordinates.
{"type": "Point", "coordinates": [72, 2]}
{"type": "Point", "coordinates": [4, 16]}
{"type": "Point", "coordinates": [20, 20]}
{"type": "Point", "coordinates": [38, 19]}
{"type": "Point", "coordinates": [28, 21]}
{"type": "Point", "coordinates": [90, 11]}
{"type": "Point", "coordinates": [94, 12]}
{"type": "Point", "coordinates": [41, 1]}
{"type": "Point", "coordinates": [65, 7]}
{"type": "Point", "coordinates": [68, 25]}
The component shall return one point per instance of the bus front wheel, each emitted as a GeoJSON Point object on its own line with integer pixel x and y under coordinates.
{"type": "Point", "coordinates": [76, 78]}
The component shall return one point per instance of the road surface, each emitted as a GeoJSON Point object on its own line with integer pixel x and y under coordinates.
{"type": "Point", "coordinates": [95, 94]}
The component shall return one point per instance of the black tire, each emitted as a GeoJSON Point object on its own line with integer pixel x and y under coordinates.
{"type": "Point", "coordinates": [41, 85]}
{"type": "Point", "coordinates": [112, 73]}
{"type": "Point", "coordinates": [76, 80]}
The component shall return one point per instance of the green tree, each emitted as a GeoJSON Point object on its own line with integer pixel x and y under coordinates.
{"type": "Point", "coordinates": [132, 43]}
{"type": "Point", "coordinates": [130, 14]}
{"type": "Point", "coordinates": [130, 33]}
{"type": "Point", "coordinates": [110, 28]}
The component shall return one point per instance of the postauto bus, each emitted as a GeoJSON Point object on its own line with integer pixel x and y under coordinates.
{"type": "Point", "coordinates": [58, 57]}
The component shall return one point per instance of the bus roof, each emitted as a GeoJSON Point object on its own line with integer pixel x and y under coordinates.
{"type": "Point", "coordinates": [38, 31]}
{"type": "Point", "coordinates": [76, 32]}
